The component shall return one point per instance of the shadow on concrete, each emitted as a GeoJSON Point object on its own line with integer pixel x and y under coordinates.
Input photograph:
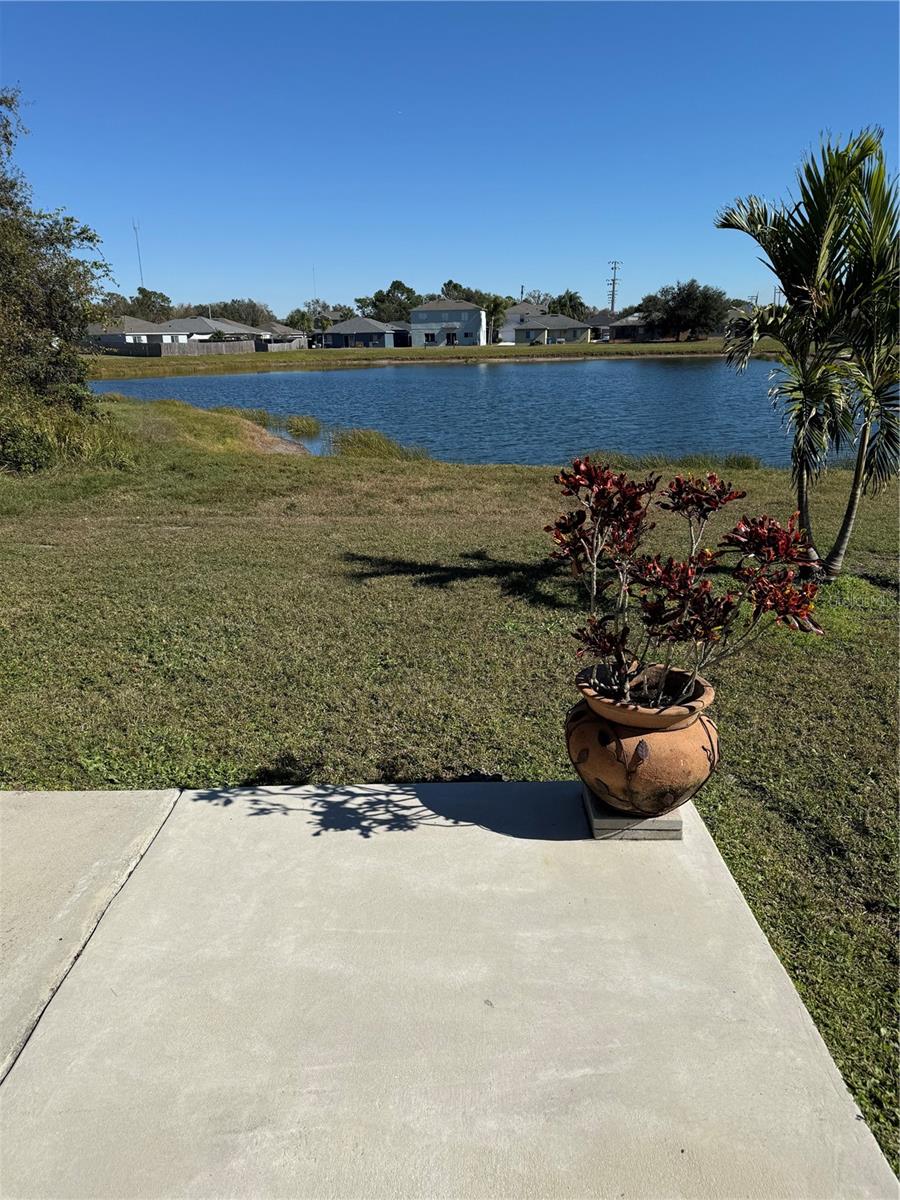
{"type": "Point", "coordinates": [540, 811]}
{"type": "Point", "coordinates": [537, 582]}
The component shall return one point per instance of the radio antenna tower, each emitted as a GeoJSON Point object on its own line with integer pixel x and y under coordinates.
{"type": "Point", "coordinates": [137, 242]}
{"type": "Point", "coordinates": [613, 284]}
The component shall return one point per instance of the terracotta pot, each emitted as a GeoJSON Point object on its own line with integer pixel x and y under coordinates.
{"type": "Point", "coordinates": [640, 759]}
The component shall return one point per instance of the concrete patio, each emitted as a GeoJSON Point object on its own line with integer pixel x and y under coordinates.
{"type": "Point", "coordinates": [440, 991]}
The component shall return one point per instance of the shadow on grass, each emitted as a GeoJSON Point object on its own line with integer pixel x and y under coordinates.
{"type": "Point", "coordinates": [537, 582]}
{"type": "Point", "coordinates": [541, 811]}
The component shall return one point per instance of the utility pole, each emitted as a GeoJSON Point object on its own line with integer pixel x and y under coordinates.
{"type": "Point", "coordinates": [521, 291]}
{"type": "Point", "coordinates": [137, 242]}
{"type": "Point", "coordinates": [613, 284]}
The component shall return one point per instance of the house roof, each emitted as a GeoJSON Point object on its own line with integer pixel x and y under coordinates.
{"type": "Point", "coordinates": [360, 325]}
{"type": "Point", "coordinates": [635, 319]}
{"type": "Point", "coordinates": [524, 309]}
{"type": "Point", "coordinates": [207, 325]}
{"type": "Point", "coordinates": [281, 330]}
{"type": "Point", "coordinates": [124, 325]}
{"type": "Point", "coordinates": [446, 305]}
{"type": "Point", "coordinates": [400, 325]}
{"type": "Point", "coordinates": [552, 321]}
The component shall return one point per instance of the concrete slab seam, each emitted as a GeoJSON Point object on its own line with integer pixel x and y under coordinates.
{"type": "Point", "coordinates": [131, 868]}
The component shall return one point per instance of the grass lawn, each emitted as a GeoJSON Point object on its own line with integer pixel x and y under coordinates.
{"type": "Point", "coordinates": [110, 366]}
{"type": "Point", "coordinates": [225, 613]}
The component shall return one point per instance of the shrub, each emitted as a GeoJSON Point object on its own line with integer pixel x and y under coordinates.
{"type": "Point", "coordinates": [370, 443]}
{"type": "Point", "coordinates": [35, 436]}
{"type": "Point", "coordinates": [654, 623]}
{"type": "Point", "coordinates": [303, 426]}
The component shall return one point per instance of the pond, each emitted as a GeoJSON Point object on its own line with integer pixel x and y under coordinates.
{"type": "Point", "coordinates": [536, 413]}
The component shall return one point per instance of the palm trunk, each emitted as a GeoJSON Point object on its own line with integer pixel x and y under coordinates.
{"type": "Point", "coordinates": [803, 507]}
{"type": "Point", "coordinates": [835, 560]}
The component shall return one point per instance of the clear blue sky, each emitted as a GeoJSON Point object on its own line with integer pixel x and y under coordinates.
{"type": "Point", "coordinates": [496, 144]}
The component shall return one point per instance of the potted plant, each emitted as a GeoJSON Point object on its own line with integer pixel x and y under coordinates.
{"type": "Point", "coordinates": [640, 738]}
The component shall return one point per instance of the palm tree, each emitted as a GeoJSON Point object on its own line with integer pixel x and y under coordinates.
{"type": "Point", "coordinates": [495, 310]}
{"type": "Point", "coordinates": [871, 369]}
{"type": "Point", "coordinates": [807, 247]}
{"type": "Point", "coordinates": [569, 304]}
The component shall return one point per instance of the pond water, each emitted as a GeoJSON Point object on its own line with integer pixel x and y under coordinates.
{"type": "Point", "coordinates": [535, 412]}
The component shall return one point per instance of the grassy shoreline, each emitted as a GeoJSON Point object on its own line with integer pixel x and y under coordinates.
{"type": "Point", "coordinates": [109, 366]}
{"type": "Point", "coordinates": [227, 613]}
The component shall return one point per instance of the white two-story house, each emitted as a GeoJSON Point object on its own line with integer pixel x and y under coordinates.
{"type": "Point", "coordinates": [448, 323]}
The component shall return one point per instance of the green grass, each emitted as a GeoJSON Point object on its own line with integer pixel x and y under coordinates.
{"type": "Point", "coordinates": [110, 366]}
{"type": "Point", "coordinates": [303, 426]}
{"type": "Point", "coordinates": [215, 616]}
{"type": "Point", "coordinates": [259, 416]}
{"type": "Point", "coordinates": [370, 443]}
{"type": "Point", "coordinates": [683, 462]}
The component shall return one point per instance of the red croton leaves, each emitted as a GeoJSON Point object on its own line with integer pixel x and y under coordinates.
{"type": "Point", "coordinates": [600, 638]}
{"type": "Point", "coordinates": [776, 593]}
{"type": "Point", "coordinates": [694, 497]}
{"type": "Point", "coordinates": [613, 513]}
{"type": "Point", "coordinates": [678, 603]}
{"type": "Point", "coordinates": [694, 611]}
{"type": "Point", "coordinates": [767, 540]}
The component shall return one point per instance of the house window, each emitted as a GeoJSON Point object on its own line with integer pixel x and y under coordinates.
{"type": "Point", "coordinates": [429, 337]}
{"type": "Point", "coordinates": [468, 333]}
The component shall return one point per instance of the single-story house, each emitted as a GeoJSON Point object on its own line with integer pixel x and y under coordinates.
{"type": "Point", "coordinates": [279, 332]}
{"type": "Point", "coordinates": [551, 329]}
{"type": "Point", "coordinates": [124, 331]}
{"type": "Point", "coordinates": [515, 315]}
{"type": "Point", "coordinates": [201, 329]}
{"type": "Point", "coordinates": [331, 318]}
{"type": "Point", "coordinates": [600, 323]}
{"type": "Point", "coordinates": [402, 332]}
{"type": "Point", "coordinates": [359, 331]}
{"type": "Point", "coordinates": [448, 323]}
{"type": "Point", "coordinates": [629, 329]}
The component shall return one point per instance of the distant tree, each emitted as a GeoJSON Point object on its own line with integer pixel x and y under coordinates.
{"type": "Point", "coordinates": [393, 303]}
{"type": "Point", "coordinates": [457, 291]}
{"type": "Point", "coordinates": [538, 298]}
{"type": "Point", "coordinates": [692, 308]}
{"type": "Point", "coordinates": [246, 312]}
{"type": "Point", "coordinates": [318, 314]}
{"type": "Point", "coordinates": [299, 318]}
{"type": "Point", "coordinates": [568, 304]}
{"type": "Point", "coordinates": [50, 276]}
{"type": "Point", "coordinates": [110, 307]}
{"type": "Point", "coordinates": [181, 311]}
{"type": "Point", "coordinates": [150, 305]}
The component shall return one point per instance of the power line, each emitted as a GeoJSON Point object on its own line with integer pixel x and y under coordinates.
{"type": "Point", "coordinates": [613, 284]}
{"type": "Point", "coordinates": [137, 242]}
